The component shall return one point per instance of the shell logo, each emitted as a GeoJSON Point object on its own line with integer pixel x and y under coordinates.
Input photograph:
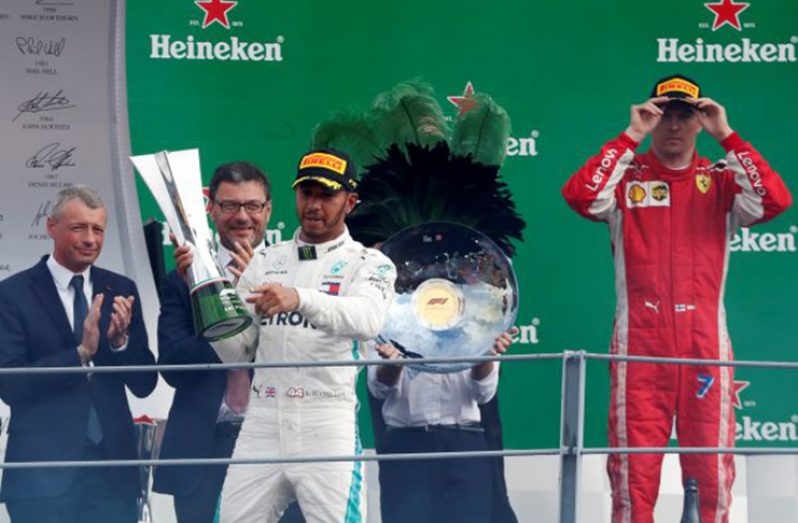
{"type": "Point", "coordinates": [636, 193]}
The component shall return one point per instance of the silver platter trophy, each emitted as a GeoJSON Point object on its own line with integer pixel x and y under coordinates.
{"type": "Point", "coordinates": [175, 181]}
{"type": "Point", "coordinates": [456, 292]}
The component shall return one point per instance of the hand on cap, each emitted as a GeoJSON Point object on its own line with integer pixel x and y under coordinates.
{"type": "Point", "coordinates": [713, 118]}
{"type": "Point", "coordinates": [645, 117]}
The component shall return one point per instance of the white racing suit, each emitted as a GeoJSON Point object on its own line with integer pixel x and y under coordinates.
{"type": "Point", "coordinates": [344, 292]}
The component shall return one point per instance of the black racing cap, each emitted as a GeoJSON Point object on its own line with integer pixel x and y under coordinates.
{"type": "Point", "coordinates": [331, 168]}
{"type": "Point", "coordinates": [677, 87]}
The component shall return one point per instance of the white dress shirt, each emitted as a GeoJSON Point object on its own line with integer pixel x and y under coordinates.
{"type": "Point", "coordinates": [62, 278]}
{"type": "Point", "coordinates": [227, 414]}
{"type": "Point", "coordinates": [426, 398]}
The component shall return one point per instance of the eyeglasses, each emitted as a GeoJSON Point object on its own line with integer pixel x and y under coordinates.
{"type": "Point", "coordinates": [231, 207]}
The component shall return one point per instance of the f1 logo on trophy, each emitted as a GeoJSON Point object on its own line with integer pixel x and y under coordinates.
{"type": "Point", "coordinates": [175, 182]}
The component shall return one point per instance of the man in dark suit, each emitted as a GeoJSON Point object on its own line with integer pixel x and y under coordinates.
{"type": "Point", "coordinates": [208, 407]}
{"type": "Point", "coordinates": [66, 312]}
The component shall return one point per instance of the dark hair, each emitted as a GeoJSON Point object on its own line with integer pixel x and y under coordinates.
{"type": "Point", "coordinates": [238, 172]}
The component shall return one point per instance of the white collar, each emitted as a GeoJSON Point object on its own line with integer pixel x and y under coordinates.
{"type": "Point", "coordinates": [326, 246]}
{"type": "Point", "coordinates": [63, 276]}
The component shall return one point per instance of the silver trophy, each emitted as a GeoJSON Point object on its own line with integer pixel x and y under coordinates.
{"type": "Point", "coordinates": [175, 182]}
{"type": "Point", "coordinates": [456, 292]}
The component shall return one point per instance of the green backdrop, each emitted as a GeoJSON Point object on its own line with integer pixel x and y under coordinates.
{"type": "Point", "coordinates": [567, 73]}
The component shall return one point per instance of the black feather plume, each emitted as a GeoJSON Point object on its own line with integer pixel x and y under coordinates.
{"type": "Point", "coordinates": [429, 184]}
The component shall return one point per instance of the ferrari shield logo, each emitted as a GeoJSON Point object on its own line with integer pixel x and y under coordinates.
{"type": "Point", "coordinates": [702, 181]}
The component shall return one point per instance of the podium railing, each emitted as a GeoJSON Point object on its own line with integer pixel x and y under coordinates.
{"type": "Point", "coordinates": [571, 449]}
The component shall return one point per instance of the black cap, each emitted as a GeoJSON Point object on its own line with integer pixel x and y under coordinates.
{"type": "Point", "coordinates": [676, 87]}
{"type": "Point", "coordinates": [331, 168]}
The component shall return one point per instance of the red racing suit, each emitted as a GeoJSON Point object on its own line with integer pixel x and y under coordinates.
{"type": "Point", "coordinates": [670, 234]}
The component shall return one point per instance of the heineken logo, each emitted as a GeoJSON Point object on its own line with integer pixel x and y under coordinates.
{"type": "Point", "coordinates": [165, 46]}
{"type": "Point", "coordinates": [674, 50]}
{"type": "Point", "coordinates": [726, 15]}
{"type": "Point", "coordinates": [527, 334]}
{"type": "Point", "coordinates": [754, 430]}
{"type": "Point", "coordinates": [751, 241]}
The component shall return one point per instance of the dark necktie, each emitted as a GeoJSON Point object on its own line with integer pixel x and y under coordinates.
{"type": "Point", "coordinates": [238, 383]}
{"type": "Point", "coordinates": [80, 308]}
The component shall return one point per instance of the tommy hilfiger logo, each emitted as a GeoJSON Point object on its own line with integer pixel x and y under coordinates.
{"type": "Point", "coordinates": [333, 288]}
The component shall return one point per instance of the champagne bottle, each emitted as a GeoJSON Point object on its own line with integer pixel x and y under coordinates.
{"type": "Point", "coordinates": [691, 513]}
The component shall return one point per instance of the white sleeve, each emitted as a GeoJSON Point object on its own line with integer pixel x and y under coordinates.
{"type": "Point", "coordinates": [360, 312]}
{"type": "Point", "coordinates": [378, 389]}
{"type": "Point", "coordinates": [242, 346]}
{"type": "Point", "coordinates": [484, 390]}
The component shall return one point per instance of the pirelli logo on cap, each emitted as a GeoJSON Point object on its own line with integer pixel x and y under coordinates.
{"type": "Point", "coordinates": [327, 161]}
{"type": "Point", "coordinates": [678, 85]}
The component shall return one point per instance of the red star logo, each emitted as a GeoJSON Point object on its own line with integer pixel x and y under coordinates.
{"type": "Point", "coordinates": [465, 102]}
{"type": "Point", "coordinates": [737, 388]}
{"type": "Point", "coordinates": [215, 11]}
{"type": "Point", "coordinates": [727, 12]}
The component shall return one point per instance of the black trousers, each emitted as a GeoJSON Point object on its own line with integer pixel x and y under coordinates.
{"type": "Point", "coordinates": [91, 497]}
{"type": "Point", "coordinates": [432, 491]}
{"type": "Point", "coordinates": [201, 504]}
{"type": "Point", "coordinates": [492, 423]}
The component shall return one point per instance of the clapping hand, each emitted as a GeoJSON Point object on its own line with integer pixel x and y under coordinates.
{"type": "Point", "coordinates": [121, 317]}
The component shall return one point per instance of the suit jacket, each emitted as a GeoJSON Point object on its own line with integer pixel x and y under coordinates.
{"type": "Point", "coordinates": [191, 426]}
{"type": "Point", "coordinates": [49, 412]}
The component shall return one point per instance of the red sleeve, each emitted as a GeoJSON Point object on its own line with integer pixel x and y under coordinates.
{"type": "Point", "coordinates": [590, 191]}
{"type": "Point", "coordinates": [761, 193]}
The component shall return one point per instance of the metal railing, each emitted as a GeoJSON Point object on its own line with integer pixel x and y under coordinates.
{"type": "Point", "coordinates": [571, 449]}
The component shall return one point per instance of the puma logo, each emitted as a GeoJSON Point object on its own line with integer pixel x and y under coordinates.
{"type": "Point", "coordinates": [654, 306]}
